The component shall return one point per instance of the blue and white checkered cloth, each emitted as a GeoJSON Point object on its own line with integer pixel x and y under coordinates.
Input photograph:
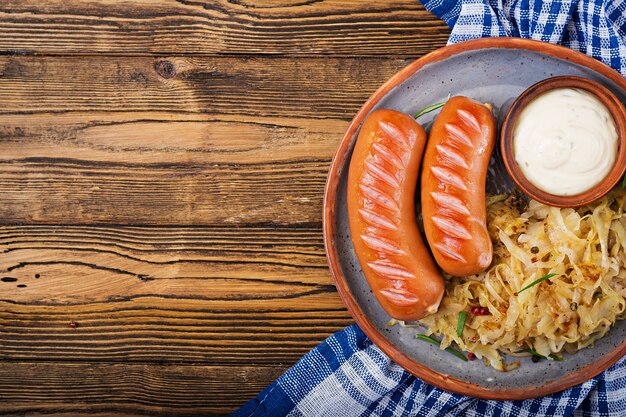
{"type": "Point", "coordinates": [347, 375]}
{"type": "Point", "coordinates": [594, 27]}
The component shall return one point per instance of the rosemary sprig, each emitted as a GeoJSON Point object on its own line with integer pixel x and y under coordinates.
{"type": "Point", "coordinates": [438, 343]}
{"type": "Point", "coordinates": [461, 323]}
{"type": "Point", "coordinates": [432, 107]}
{"type": "Point", "coordinates": [535, 282]}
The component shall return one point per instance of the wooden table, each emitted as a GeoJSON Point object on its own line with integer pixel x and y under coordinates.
{"type": "Point", "coordinates": [162, 165]}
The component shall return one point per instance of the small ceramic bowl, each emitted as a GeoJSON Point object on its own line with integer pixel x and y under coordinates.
{"type": "Point", "coordinates": [614, 107]}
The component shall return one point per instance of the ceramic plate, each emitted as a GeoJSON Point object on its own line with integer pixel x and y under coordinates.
{"type": "Point", "coordinates": [494, 70]}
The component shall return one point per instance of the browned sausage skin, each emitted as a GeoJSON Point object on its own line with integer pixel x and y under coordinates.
{"type": "Point", "coordinates": [381, 211]}
{"type": "Point", "coordinates": [454, 173]}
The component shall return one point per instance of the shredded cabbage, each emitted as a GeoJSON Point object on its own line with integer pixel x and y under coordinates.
{"type": "Point", "coordinates": [569, 311]}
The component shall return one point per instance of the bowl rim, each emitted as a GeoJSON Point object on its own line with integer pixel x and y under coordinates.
{"type": "Point", "coordinates": [338, 163]}
{"type": "Point", "coordinates": [606, 97]}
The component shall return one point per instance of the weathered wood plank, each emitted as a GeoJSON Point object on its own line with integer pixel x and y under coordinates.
{"type": "Point", "coordinates": [141, 169]}
{"type": "Point", "coordinates": [109, 140]}
{"type": "Point", "coordinates": [161, 328]}
{"type": "Point", "coordinates": [277, 87]}
{"type": "Point", "coordinates": [31, 388]}
{"type": "Point", "coordinates": [141, 257]}
{"type": "Point", "coordinates": [279, 27]}
{"type": "Point", "coordinates": [237, 296]}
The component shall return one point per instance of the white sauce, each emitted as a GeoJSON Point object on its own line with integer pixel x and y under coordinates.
{"type": "Point", "coordinates": [565, 141]}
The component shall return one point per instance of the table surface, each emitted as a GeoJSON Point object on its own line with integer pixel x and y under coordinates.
{"type": "Point", "coordinates": [162, 165]}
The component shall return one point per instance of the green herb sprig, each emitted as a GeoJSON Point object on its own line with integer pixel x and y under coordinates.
{"type": "Point", "coordinates": [535, 282]}
{"type": "Point", "coordinates": [432, 107]}
{"type": "Point", "coordinates": [438, 343]}
{"type": "Point", "coordinates": [551, 356]}
{"type": "Point", "coordinates": [461, 323]}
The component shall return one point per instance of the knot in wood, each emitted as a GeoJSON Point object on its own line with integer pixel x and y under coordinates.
{"type": "Point", "coordinates": [165, 69]}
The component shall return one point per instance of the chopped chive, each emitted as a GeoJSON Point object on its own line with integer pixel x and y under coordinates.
{"type": "Point", "coordinates": [534, 353]}
{"type": "Point", "coordinates": [457, 354]}
{"type": "Point", "coordinates": [428, 339]}
{"type": "Point", "coordinates": [432, 107]}
{"type": "Point", "coordinates": [535, 282]}
{"type": "Point", "coordinates": [461, 323]}
{"type": "Point", "coordinates": [538, 355]}
{"type": "Point", "coordinates": [438, 343]}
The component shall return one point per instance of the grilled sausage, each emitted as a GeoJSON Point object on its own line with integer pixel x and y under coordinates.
{"type": "Point", "coordinates": [454, 172]}
{"type": "Point", "coordinates": [381, 210]}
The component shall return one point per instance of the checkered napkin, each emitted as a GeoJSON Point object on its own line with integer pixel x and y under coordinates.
{"type": "Point", "coordinates": [347, 375]}
{"type": "Point", "coordinates": [594, 27]}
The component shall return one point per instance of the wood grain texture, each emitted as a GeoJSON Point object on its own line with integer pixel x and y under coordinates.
{"type": "Point", "coordinates": [219, 296]}
{"type": "Point", "coordinates": [104, 389]}
{"type": "Point", "coordinates": [162, 166]}
{"type": "Point", "coordinates": [142, 169]}
{"type": "Point", "coordinates": [277, 27]}
{"type": "Point", "coordinates": [329, 88]}
{"type": "Point", "coordinates": [160, 328]}
{"type": "Point", "coordinates": [109, 140]}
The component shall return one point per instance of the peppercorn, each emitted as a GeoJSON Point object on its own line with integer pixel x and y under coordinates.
{"type": "Point", "coordinates": [73, 324]}
{"type": "Point", "coordinates": [471, 356]}
{"type": "Point", "coordinates": [476, 311]}
{"type": "Point", "coordinates": [534, 250]}
{"type": "Point", "coordinates": [535, 358]}
{"type": "Point", "coordinates": [573, 306]}
{"type": "Point", "coordinates": [484, 311]}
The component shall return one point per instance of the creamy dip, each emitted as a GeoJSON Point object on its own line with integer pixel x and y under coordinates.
{"type": "Point", "coordinates": [565, 141]}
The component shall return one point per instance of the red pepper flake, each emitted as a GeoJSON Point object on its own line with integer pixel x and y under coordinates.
{"type": "Point", "coordinates": [73, 324]}
{"type": "Point", "coordinates": [471, 356]}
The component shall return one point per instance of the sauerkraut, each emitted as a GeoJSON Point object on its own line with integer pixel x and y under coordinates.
{"type": "Point", "coordinates": [584, 247]}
